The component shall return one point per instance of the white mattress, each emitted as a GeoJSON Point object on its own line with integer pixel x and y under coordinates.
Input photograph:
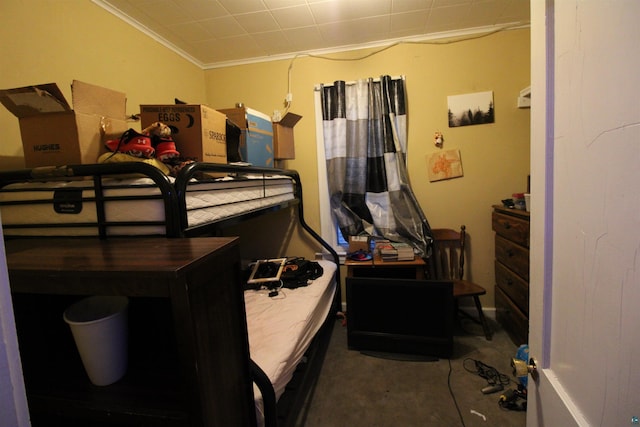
{"type": "Point", "coordinates": [209, 202]}
{"type": "Point", "coordinates": [282, 327]}
{"type": "Point", "coordinates": [206, 202]}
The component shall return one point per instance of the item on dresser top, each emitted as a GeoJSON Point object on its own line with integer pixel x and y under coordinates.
{"type": "Point", "coordinates": [508, 203]}
{"type": "Point", "coordinates": [518, 201]}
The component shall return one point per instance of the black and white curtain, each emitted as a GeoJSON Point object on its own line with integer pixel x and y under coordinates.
{"type": "Point", "coordinates": [365, 140]}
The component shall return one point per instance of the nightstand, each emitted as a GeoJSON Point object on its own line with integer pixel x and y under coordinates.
{"type": "Point", "coordinates": [386, 269]}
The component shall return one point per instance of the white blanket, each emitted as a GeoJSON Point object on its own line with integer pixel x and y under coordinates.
{"type": "Point", "coordinates": [282, 327]}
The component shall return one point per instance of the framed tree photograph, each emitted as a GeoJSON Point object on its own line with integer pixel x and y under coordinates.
{"type": "Point", "coordinates": [471, 109]}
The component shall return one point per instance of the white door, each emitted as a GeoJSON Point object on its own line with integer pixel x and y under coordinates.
{"type": "Point", "coordinates": [585, 215]}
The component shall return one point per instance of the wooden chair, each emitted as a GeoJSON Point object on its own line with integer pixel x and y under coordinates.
{"type": "Point", "coordinates": [447, 263]}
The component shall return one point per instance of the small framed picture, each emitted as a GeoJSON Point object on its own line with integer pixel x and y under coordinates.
{"type": "Point", "coordinates": [267, 270]}
{"type": "Point", "coordinates": [444, 165]}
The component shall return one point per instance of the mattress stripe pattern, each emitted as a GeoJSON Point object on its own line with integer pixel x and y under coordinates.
{"type": "Point", "coordinates": [132, 206]}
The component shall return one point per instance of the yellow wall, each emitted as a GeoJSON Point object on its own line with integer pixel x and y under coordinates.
{"type": "Point", "coordinates": [62, 40]}
{"type": "Point", "coordinates": [495, 156]}
{"type": "Point", "coordinates": [58, 41]}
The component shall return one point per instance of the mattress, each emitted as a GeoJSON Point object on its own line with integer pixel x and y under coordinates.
{"type": "Point", "coordinates": [209, 202]}
{"type": "Point", "coordinates": [132, 207]}
{"type": "Point", "coordinates": [281, 328]}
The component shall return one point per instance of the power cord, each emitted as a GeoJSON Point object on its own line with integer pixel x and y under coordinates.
{"type": "Point", "coordinates": [495, 380]}
{"type": "Point", "coordinates": [442, 41]}
{"type": "Point", "coordinates": [514, 400]}
{"type": "Point", "coordinates": [455, 402]}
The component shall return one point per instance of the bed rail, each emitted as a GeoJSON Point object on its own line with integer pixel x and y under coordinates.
{"type": "Point", "coordinates": [96, 172]}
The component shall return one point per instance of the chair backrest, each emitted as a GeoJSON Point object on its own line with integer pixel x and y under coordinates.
{"type": "Point", "coordinates": [447, 260]}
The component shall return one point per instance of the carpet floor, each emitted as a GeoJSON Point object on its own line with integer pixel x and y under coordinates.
{"type": "Point", "coordinates": [358, 390]}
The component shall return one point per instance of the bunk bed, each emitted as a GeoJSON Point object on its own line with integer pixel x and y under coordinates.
{"type": "Point", "coordinates": [133, 199]}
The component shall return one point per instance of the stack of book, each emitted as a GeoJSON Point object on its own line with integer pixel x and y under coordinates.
{"type": "Point", "coordinates": [394, 251]}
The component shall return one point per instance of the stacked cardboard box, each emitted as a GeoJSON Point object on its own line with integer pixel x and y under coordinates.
{"type": "Point", "coordinates": [200, 132]}
{"type": "Point", "coordinates": [263, 141]}
{"type": "Point", "coordinates": [53, 134]}
{"type": "Point", "coordinates": [359, 243]}
{"type": "Point", "coordinates": [256, 138]}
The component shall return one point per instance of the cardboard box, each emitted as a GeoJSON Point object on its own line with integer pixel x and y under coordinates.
{"type": "Point", "coordinates": [359, 243]}
{"type": "Point", "coordinates": [53, 134]}
{"type": "Point", "coordinates": [198, 131]}
{"type": "Point", "coordinates": [256, 139]}
{"type": "Point", "coordinates": [283, 147]}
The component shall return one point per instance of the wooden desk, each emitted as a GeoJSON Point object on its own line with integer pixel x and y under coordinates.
{"type": "Point", "coordinates": [386, 269]}
{"type": "Point", "coordinates": [389, 311]}
{"type": "Point", "coordinates": [188, 345]}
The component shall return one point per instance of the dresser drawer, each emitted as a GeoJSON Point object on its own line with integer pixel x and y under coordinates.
{"type": "Point", "coordinates": [514, 256]}
{"type": "Point", "coordinates": [511, 318]}
{"type": "Point", "coordinates": [513, 286]}
{"type": "Point", "coordinates": [511, 227]}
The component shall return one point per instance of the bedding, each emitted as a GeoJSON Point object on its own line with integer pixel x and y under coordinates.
{"type": "Point", "coordinates": [281, 328]}
{"type": "Point", "coordinates": [132, 206]}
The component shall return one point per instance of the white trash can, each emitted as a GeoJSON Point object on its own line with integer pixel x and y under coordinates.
{"type": "Point", "coordinates": [100, 330]}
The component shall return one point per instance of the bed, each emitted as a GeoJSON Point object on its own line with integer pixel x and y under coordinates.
{"type": "Point", "coordinates": [135, 199]}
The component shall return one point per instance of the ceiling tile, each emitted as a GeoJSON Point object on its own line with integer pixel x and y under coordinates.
{"type": "Point", "coordinates": [305, 39]}
{"type": "Point", "coordinates": [413, 21]}
{"type": "Point", "coordinates": [199, 9]}
{"type": "Point", "coordinates": [277, 4]}
{"type": "Point", "coordinates": [257, 22]}
{"type": "Point", "coordinates": [243, 6]}
{"type": "Point", "coordinates": [447, 18]}
{"type": "Point", "coordinates": [190, 31]}
{"type": "Point", "coordinates": [273, 42]}
{"type": "Point", "coordinates": [166, 12]}
{"type": "Point", "coordinates": [222, 27]}
{"type": "Point", "coordinates": [447, 3]}
{"type": "Point", "coordinates": [339, 10]}
{"type": "Point", "coordinates": [398, 6]}
{"type": "Point", "coordinates": [360, 31]}
{"type": "Point", "coordinates": [293, 17]}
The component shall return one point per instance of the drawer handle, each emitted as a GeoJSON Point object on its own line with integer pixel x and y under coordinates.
{"type": "Point", "coordinates": [509, 282]}
{"type": "Point", "coordinates": [510, 253]}
{"type": "Point", "coordinates": [507, 225]}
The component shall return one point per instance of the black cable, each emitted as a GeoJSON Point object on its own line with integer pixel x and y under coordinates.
{"type": "Point", "coordinates": [514, 400]}
{"type": "Point", "coordinates": [453, 396]}
{"type": "Point", "coordinates": [489, 373]}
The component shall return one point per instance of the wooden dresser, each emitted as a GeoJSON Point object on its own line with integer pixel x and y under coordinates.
{"type": "Point", "coordinates": [511, 228]}
{"type": "Point", "coordinates": [188, 346]}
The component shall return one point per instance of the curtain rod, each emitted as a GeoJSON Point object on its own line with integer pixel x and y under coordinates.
{"type": "Point", "coordinates": [352, 82]}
